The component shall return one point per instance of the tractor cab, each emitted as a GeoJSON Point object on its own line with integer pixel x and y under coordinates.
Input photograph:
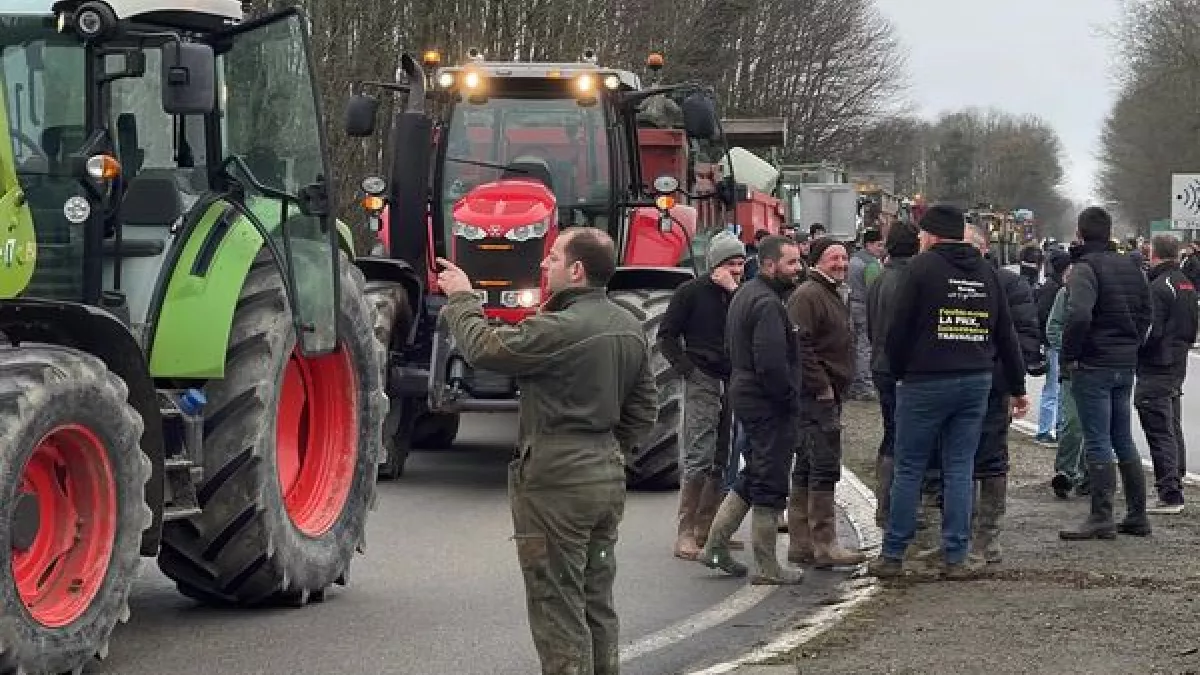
{"type": "Point", "coordinates": [125, 119]}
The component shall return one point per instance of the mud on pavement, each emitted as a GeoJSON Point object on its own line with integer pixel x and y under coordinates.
{"type": "Point", "coordinates": [1125, 606]}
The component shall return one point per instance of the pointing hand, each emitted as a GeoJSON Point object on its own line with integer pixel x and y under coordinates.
{"type": "Point", "coordinates": [452, 279]}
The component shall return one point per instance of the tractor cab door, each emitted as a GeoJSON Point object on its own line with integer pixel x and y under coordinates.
{"type": "Point", "coordinates": [274, 148]}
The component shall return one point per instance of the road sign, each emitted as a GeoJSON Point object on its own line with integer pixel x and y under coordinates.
{"type": "Point", "coordinates": [1185, 201]}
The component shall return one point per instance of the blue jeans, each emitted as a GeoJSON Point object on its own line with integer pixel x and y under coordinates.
{"type": "Point", "coordinates": [1048, 409]}
{"type": "Point", "coordinates": [1104, 399]}
{"type": "Point", "coordinates": [946, 413]}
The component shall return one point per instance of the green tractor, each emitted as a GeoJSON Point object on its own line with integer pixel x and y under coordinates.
{"type": "Point", "coordinates": [188, 368]}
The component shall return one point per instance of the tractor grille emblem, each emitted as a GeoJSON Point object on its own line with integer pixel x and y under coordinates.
{"type": "Point", "coordinates": [495, 230]}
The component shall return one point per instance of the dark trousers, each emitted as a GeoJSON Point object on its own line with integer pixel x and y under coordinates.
{"type": "Point", "coordinates": [566, 542]}
{"type": "Point", "coordinates": [1157, 396]}
{"type": "Point", "coordinates": [885, 385]}
{"type": "Point", "coordinates": [818, 465]}
{"type": "Point", "coordinates": [991, 457]}
{"type": "Point", "coordinates": [772, 441]}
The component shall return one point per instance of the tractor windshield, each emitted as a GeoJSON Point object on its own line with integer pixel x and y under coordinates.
{"type": "Point", "coordinates": [44, 114]}
{"type": "Point", "coordinates": [568, 138]}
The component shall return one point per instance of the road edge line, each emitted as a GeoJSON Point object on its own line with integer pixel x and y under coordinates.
{"type": "Point", "coordinates": [1029, 428]}
{"type": "Point", "coordinates": [857, 502]}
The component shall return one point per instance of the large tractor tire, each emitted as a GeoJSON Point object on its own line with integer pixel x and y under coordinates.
{"type": "Point", "coordinates": [656, 465]}
{"type": "Point", "coordinates": [393, 319]}
{"type": "Point", "coordinates": [72, 482]}
{"type": "Point", "coordinates": [291, 450]}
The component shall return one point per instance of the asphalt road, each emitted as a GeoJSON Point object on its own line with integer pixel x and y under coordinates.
{"type": "Point", "coordinates": [439, 591]}
{"type": "Point", "coordinates": [1191, 413]}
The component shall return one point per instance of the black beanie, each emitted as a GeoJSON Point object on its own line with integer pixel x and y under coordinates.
{"type": "Point", "coordinates": [902, 241]}
{"type": "Point", "coordinates": [871, 236]}
{"type": "Point", "coordinates": [944, 221]}
{"type": "Point", "coordinates": [817, 248]}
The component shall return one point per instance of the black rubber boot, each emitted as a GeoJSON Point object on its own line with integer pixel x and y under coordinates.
{"type": "Point", "coordinates": [1099, 523]}
{"type": "Point", "coordinates": [1133, 482]}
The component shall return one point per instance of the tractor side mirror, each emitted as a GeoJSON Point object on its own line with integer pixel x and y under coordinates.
{"type": "Point", "coordinates": [700, 117]}
{"type": "Point", "coordinates": [189, 75]}
{"type": "Point", "coordinates": [360, 115]}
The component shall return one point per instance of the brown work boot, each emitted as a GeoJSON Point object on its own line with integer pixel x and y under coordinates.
{"type": "Point", "coordinates": [710, 498]}
{"type": "Point", "coordinates": [822, 521]}
{"type": "Point", "coordinates": [716, 550]}
{"type": "Point", "coordinates": [800, 549]}
{"type": "Point", "coordinates": [768, 571]}
{"type": "Point", "coordinates": [689, 499]}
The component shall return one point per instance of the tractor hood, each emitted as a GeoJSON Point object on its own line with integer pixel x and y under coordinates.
{"type": "Point", "coordinates": [513, 208]}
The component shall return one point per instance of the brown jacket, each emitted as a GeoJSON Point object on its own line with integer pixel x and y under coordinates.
{"type": "Point", "coordinates": [826, 335]}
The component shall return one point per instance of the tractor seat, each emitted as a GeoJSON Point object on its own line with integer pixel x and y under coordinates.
{"type": "Point", "coordinates": [530, 167]}
{"type": "Point", "coordinates": [151, 206]}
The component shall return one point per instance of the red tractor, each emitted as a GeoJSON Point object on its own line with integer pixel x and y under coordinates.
{"type": "Point", "coordinates": [488, 161]}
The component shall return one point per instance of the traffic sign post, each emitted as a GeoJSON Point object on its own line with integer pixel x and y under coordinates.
{"type": "Point", "coordinates": [1185, 201]}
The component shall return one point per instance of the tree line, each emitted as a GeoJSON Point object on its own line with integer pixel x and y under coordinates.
{"type": "Point", "coordinates": [834, 69]}
{"type": "Point", "coordinates": [1153, 129]}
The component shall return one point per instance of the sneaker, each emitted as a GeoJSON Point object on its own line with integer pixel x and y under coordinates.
{"type": "Point", "coordinates": [1162, 508]}
{"type": "Point", "coordinates": [1061, 486]}
{"type": "Point", "coordinates": [1048, 440]}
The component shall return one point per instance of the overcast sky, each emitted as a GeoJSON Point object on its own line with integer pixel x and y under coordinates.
{"type": "Point", "coordinates": [1027, 56]}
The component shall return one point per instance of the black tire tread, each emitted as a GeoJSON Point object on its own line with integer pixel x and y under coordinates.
{"type": "Point", "coordinates": [236, 552]}
{"type": "Point", "coordinates": [656, 466]}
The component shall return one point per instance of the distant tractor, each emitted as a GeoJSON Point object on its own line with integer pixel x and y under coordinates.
{"type": "Point", "coordinates": [187, 367]}
{"type": "Point", "coordinates": [489, 160]}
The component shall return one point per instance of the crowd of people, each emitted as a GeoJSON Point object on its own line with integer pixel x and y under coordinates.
{"type": "Point", "coordinates": [771, 342]}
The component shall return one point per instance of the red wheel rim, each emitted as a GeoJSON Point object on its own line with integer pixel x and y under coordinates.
{"type": "Point", "coordinates": [70, 479]}
{"type": "Point", "coordinates": [316, 444]}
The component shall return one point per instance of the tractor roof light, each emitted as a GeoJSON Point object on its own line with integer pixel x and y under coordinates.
{"type": "Point", "coordinates": [472, 80]}
{"type": "Point", "coordinates": [431, 58]}
{"type": "Point", "coordinates": [445, 79]}
{"type": "Point", "coordinates": [612, 82]}
{"type": "Point", "coordinates": [654, 61]}
{"type": "Point", "coordinates": [103, 167]}
{"type": "Point", "coordinates": [586, 84]}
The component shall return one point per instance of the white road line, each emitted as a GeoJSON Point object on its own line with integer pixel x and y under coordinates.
{"type": "Point", "coordinates": [742, 600]}
{"type": "Point", "coordinates": [858, 503]}
{"type": "Point", "coordinates": [1030, 429]}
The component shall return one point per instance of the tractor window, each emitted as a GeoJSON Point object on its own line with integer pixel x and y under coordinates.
{"type": "Point", "coordinates": [148, 140]}
{"type": "Point", "coordinates": [271, 125]}
{"type": "Point", "coordinates": [570, 139]}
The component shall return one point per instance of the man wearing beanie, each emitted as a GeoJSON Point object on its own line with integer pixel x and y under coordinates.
{"type": "Point", "coordinates": [1109, 315]}
{"type": "Point", "coordinates": [864, 267]}
{"type": "Point", "coordinates": [827, 361]}
{"type": "Point", "coordinates": [692, 339]}
{"type": "Point", "coordinates": [1048, 406]}
{"type": "Point", "coordinates": [951, 322]}
{"type": "Point", "coordinates": [764, 390]}
{"type": "Point", "coordinates": [902, 245]}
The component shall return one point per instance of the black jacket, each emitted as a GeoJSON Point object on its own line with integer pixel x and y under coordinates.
{"type": "Point", "coordinates": [1045, 302]}
{"type": "Point", "coordinates": [952, 318]}
{"type": "Point", "coordinates": [763, 350]}
{"type": "Point", "coordinates": [1175, 317]}
{"type": "Point", "coordinates": [1109, 311]}
{"type": "Point", "coordinates": [881, 302]}
{"type": "Point", "coordinates": [692, 332]}
{"type": "Point", "coordinates": [1024, 314]}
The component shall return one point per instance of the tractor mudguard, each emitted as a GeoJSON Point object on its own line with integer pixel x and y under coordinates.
{"type": "Point", "coordinates": [195, 312]}
{"type": "Point", "coordinates": [346, 239]}
{"type": "Point", "coordinates": [97, 332]}
{"type": "Point", "coordinates": [375, 268]}
{"type": "Point", "coordinates": [644, 278]}
{"type": "Point", "coordinates": [649, 246]}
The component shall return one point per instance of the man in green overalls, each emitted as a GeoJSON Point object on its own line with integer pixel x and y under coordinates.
{"type": "Point", "coordinates": [587, 396]}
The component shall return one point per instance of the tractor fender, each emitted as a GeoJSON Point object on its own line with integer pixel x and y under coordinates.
{"type": "Point", "coordinates": [657, 278]}
{"type": "Point", "coordinates": [98, 332]}
{"type": "Point", "coordinates": [193, 311]}
{"type": "Point", "coordinates": [647, 245]}
{"type": "Point", "coordinates": [375, 268]}
{"type": "Point", "coordinates": [345, 239]}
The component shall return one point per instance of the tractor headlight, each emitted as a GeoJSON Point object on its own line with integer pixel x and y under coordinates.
{"type": "Point", "coordinates": [469, 232]}
{"type": "Point", "coordinates": [527, 232]}
{"type": "Point", "coordinates": [524, 299]}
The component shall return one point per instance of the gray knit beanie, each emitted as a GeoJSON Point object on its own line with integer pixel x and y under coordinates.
{"type": "Point", "coordinates": [723, 246]}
